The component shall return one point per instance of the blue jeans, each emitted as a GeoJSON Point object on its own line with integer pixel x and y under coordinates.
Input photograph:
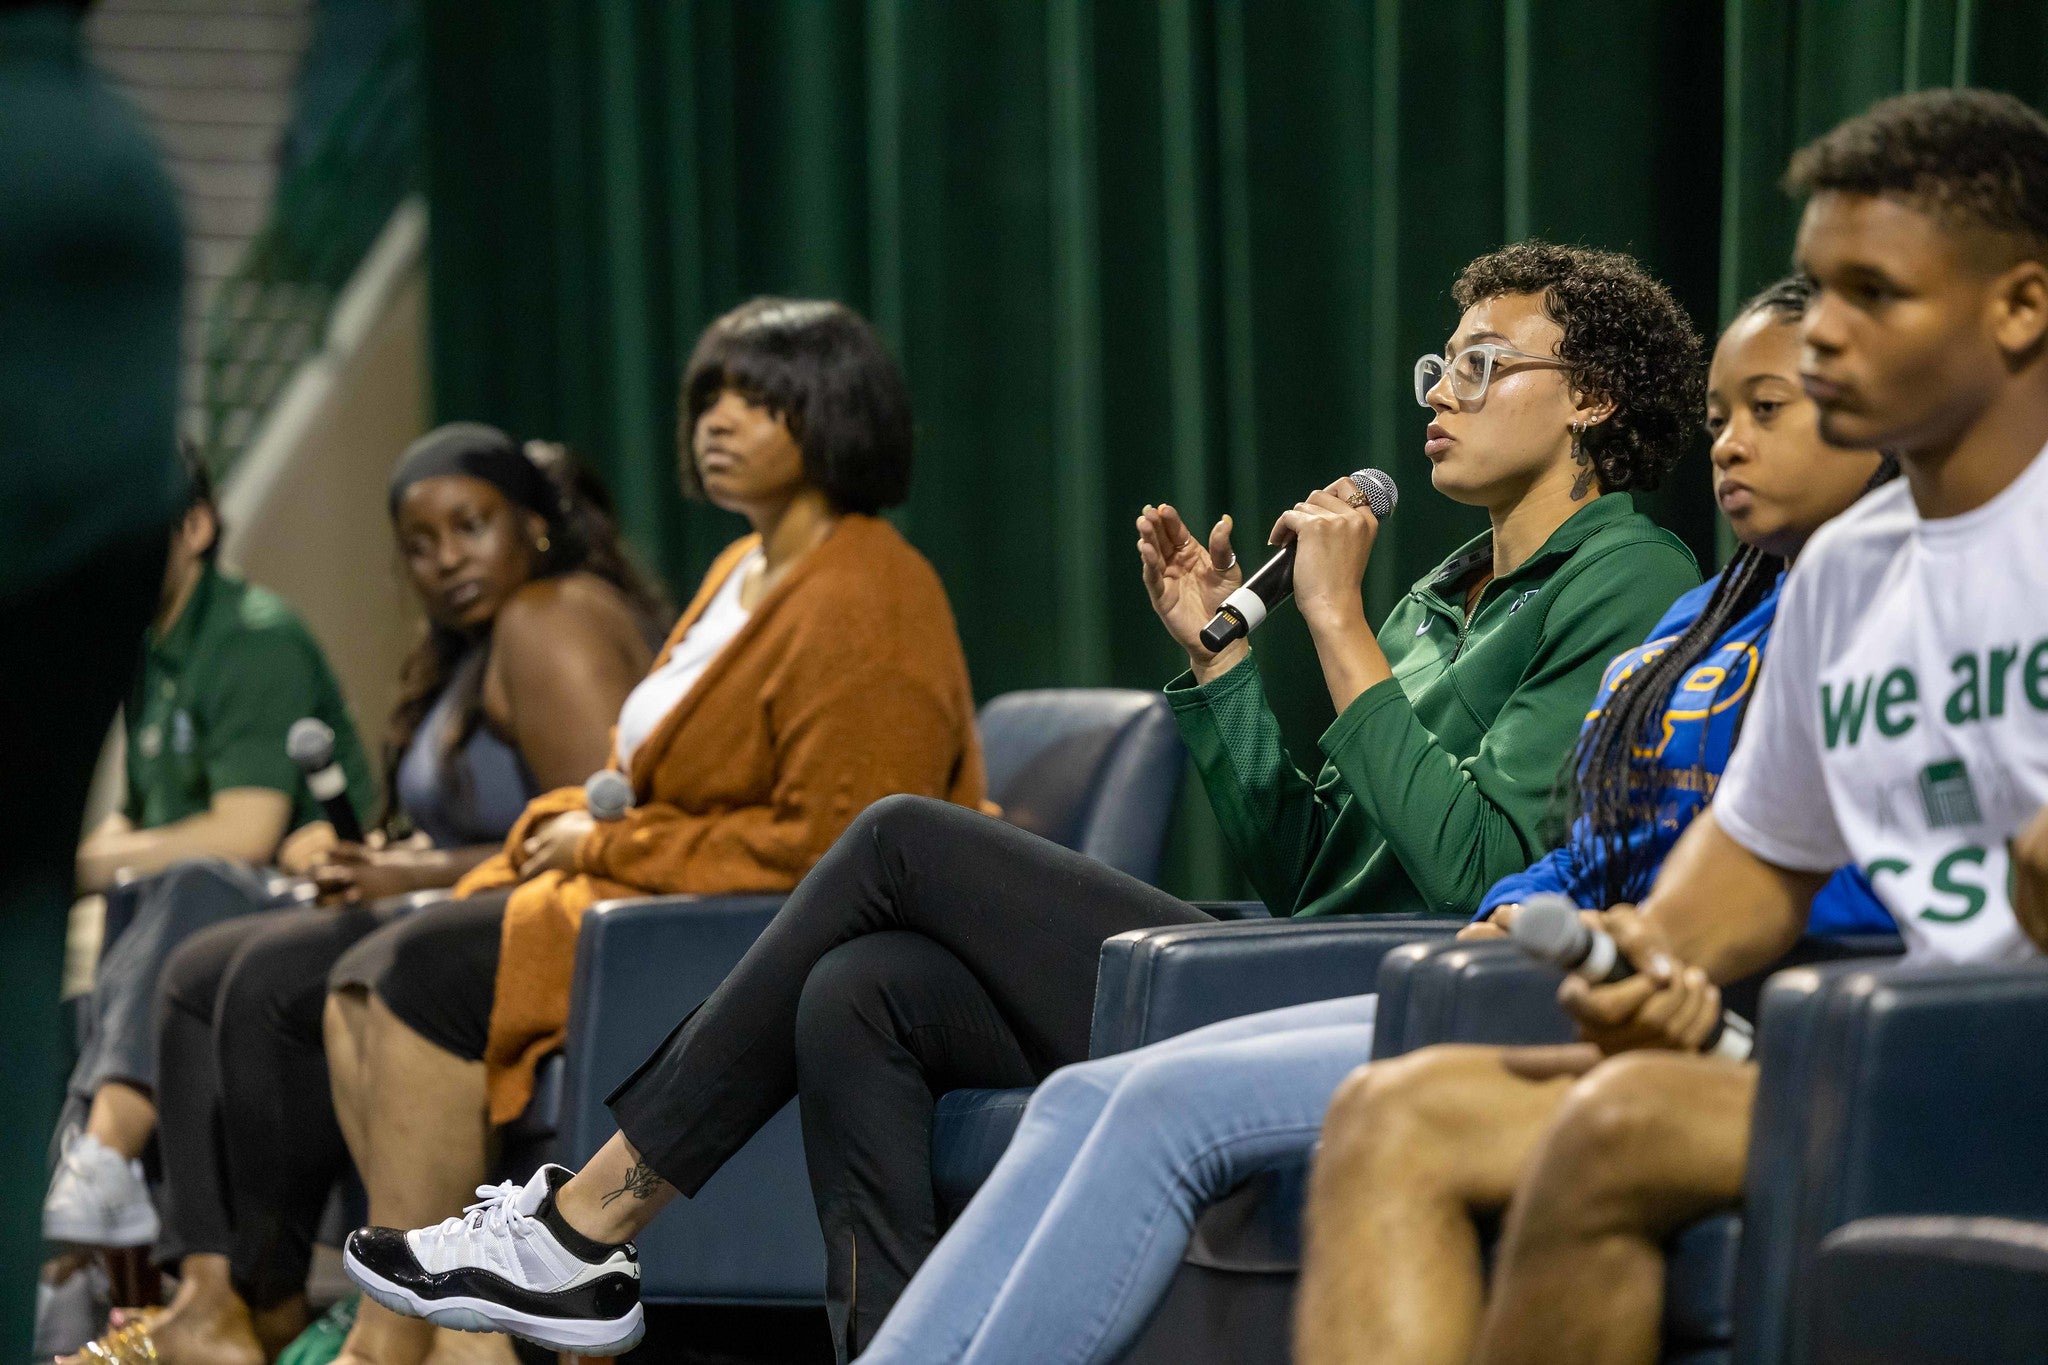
{"type": "Point", "coordinates": [1064, 1253]}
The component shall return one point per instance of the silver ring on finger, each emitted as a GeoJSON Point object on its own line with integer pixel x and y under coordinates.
{"type": "Point", "coordinates": [1227, 565]}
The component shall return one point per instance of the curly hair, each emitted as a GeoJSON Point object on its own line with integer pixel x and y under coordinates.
{"type": "Point", "coordinates": [1626, 340]}
{"type": "Point", "coordinates": [1976, 157]}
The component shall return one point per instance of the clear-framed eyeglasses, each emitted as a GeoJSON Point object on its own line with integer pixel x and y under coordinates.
{"type": "Point", "coordinates": [1471, 370]}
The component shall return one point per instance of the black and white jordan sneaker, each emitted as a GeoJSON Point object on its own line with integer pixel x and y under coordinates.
{"type": "Point", "coordinates": [509, 1264]}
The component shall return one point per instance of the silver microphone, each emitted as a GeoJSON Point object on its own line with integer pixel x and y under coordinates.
{"type": "Point", "coordinates": [607, 794]}
{"type": "Point", "coordinates": [1549, 928]}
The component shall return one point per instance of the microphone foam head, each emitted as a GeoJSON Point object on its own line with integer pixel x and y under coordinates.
{"type": "Point", "coordinates": [607, 794]}
{"type": "Point", "coordinates": [310, 743]}
{"type": "Point", "coordinates": [1549, 928]}
{"type": "Point", "coordinates": [1380, 494]}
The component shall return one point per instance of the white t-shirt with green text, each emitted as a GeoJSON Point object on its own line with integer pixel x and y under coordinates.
{"type": "Point", "coordinates": [1902, 720]}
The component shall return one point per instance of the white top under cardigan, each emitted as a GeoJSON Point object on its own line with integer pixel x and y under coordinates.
{"type": "Point", "coordinates": [648, 704]}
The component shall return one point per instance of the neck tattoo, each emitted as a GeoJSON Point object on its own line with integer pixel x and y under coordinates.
{"type": "Point", "coordinates": [1582, 482]}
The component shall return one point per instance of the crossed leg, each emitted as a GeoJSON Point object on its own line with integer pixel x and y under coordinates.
{"type": "Point", "coordinates": [1646, 1143]}
{"type": "Point", "coordinates": [1413, 1149]}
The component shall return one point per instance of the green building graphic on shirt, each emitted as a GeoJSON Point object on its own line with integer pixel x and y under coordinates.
{"type": "Point", "coordinates": [1946, 793]}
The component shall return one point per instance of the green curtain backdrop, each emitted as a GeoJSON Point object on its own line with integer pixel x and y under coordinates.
{"type": "Point", "coordinates": [1129, 251]}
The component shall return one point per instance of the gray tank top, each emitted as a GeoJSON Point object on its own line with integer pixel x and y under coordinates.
{"type": "Point", "coordinates": [472, 796]}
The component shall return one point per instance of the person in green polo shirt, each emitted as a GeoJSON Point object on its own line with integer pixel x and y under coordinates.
{"type": "Point", "coordinates": [227, 667]}
{"type": "Point", "coordinates": [226, 670]}
{"type": "Point", "coordinates": [934, 948]}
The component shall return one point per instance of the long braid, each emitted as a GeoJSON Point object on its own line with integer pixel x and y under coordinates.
{"type": "Point", "coordinates": [1619, 787]}
{"type": "Point", "coordinates": [1613, 781]}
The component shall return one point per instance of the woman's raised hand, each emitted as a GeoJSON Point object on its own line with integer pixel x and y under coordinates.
{"type": "Point", "coordinates": [1188, 581]}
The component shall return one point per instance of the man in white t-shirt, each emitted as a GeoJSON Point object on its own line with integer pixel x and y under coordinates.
{"type": "Point", "coordinates": [1901, 724]}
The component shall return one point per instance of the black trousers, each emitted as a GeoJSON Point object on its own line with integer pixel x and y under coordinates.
{"type": "Point", "coordinates": [250, 1144]}
{"type": "Point", "coordinates": [72, 645]}
{"type": "Point", "coordinates": [246, 1127]}
{"type": "Point", "coordinates": [931, 949]}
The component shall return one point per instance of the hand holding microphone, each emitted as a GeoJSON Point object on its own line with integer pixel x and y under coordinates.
{"type": "Point", "coordinates": [1200, 590]}
{"type": "Point", "coordinates": [1335, 528]}
{"type": "Point", "coordinates": [607, 796]}
{"type": "Point", "coordinates": [1666, 1005]}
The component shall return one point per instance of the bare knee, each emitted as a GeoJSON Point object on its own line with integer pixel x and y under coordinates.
{"type": "Point", "coordinates": [344, 1022]}
{"type": "Point", "coordinates": [1405, 1111]}
{"type": "Point", "coordinates": [1625, 1141]}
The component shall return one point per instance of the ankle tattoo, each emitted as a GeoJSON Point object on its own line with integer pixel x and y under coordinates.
{"type": "Point", "coordinates": [640, 1182]}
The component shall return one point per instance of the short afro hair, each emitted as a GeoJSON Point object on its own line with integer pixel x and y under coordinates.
{"type": "Point", "coordinates": [824, 371]}
{"type": "Point", "coordinates": [1626, 340]}
{"type": "Point", "coordinates": [1972, 157]}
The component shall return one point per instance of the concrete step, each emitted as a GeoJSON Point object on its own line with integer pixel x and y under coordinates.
{"type": "Point", "coordinates": [163, 69]}
{"type": "Point", "coordinates": [128, 28]}
{"type": "Point", "coordinates": [179, 104]}
{"type": "Point", "coordinates": [187, 141]}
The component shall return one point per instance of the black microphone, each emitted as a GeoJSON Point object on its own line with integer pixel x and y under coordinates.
{"type": "Point", "coordinates": [1274, 582]}
{"type": "Point", "coordinates": [607, 795]}
{"type": "Point", "coordinates": [310, 742]}
{"type": "Point", "coordinates": [1549, 929]}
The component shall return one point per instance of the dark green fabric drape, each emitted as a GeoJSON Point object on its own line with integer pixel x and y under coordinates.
{"type": "Point", "coordinates": [1131, 251]}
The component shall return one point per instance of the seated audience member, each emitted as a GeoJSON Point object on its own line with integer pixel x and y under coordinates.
{"type": "Point", "coordinates": [1901, 648]}
{"type": "Point", "coordinates": [1065, 1253]}
{"type": "Point", "coordinates": [934, 948]}
{"type": "Point", "coordinates": [817, 671]}
{"type": "Point", "coordinates": [226, 669]}
{"type": "Point", "coordinates": [536, 629]}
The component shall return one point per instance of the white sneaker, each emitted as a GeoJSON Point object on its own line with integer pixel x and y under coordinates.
{"type": "Point", "coordinates": [500, 1268]}
{"type": "Point", "coordinates": [97, 1198]}
{"type": "Point", "coordinates": [72, 1311]}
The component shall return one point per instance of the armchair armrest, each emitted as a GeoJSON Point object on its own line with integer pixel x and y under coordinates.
{"type": "Point", "coordinates": [642, 966]}
{"type": "Point", "coordinates": [1481, 991]}
{"type": "Point", "coordinates": [1489, 991]}
{"type": "Point", "coordinates": [1928, 1290]}
{"type": "Point", "coordinates": [1885, 1090]}
{"type": "Point", "coordinates": [1155, 983]}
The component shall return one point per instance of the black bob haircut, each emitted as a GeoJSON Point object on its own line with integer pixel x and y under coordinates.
{"type": "Point", "coordinates": [1976, 158]}
{"type": "Point", "coordinates": [823, 369]}
{"type": "Point", "coordinates": [1625, 340]}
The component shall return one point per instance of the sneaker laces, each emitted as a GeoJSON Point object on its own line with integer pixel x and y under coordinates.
{"type": "Point", "coordinates": [492, 1215]}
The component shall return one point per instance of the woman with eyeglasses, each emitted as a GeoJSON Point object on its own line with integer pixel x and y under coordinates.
{"type": "Point", "coordinates": [934, 948]}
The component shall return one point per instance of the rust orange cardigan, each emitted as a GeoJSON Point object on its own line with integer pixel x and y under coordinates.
{"type": "Point", "coordinates": [846, 684]}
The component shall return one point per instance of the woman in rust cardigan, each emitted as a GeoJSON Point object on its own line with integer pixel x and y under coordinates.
{"type": "Point", "coordinates": [817, 670]}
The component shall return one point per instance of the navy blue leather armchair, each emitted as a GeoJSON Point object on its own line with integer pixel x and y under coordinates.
{"type": "Point", "coordinates": [1895, 1206]}
{"type": "Point", "coordinates": [1094, 769]}
{"type": "Point", "coordinates": [1232, 1298]}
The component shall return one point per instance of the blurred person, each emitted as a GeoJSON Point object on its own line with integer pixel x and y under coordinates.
{"type": "Point", "coordinates": [933, 948]}
{"type": "Point", "coordinates": [1902, 727]}
{"type": "Point", "coordinates": [817, 671]}
{"type": "Point", "coordinates": [1066, 1251]}
{"type": "Point", "coordinates": [537, 626]}
{"type": "Point", "coordinates": [91, 294]}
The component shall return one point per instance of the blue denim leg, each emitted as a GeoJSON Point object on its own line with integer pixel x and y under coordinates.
{"type": "Point", "coordinates": [1064, 1251]}
{"type": "Point", "coordinates": [120, 1039]}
